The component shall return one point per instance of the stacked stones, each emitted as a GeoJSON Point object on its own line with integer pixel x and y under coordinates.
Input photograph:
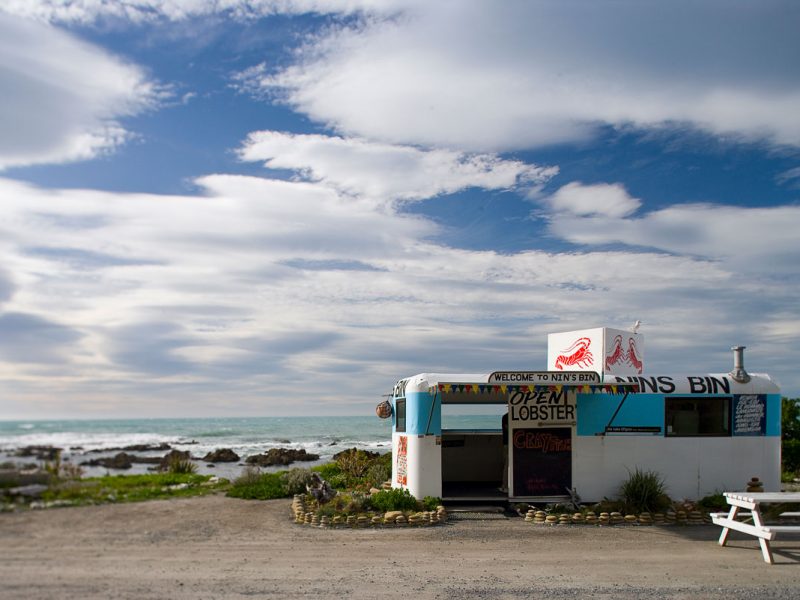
{"type": "Point", "coordinates": [605, 519]}
{"type": "Point", "coordinates": [415, 519]}
{"type": "Point", "coordinates": [325, 521]}
{"type": "Point", "coordinates": [551, 520]}
{"type": "Point", "coordinates": [434, 518]}
{"type": "Point", "coordinates": [670, 517]}
{"type": "Point", "coordinates": [309, 517]}
{"type": "Point", "coordinates": [442, 512]}
{"type": "Point", "coordinates": [616, 518]}
{"type": "Point", "coordinates": [659, 518]}
{"type": "Point", "coordinates": [362, 521]}
{"type": "Point", "coordinates": [351, 521]}
{"type": "Point", "coordinates": [645, 519]}
{"type": "Point", "coordinates": [299, 508]}
{"type": "Point", "coordinates": [401, 521]}
{"type": "Point", "coordinates": [631, 519]}
{"type": "Point", "coordinates": [695, 517]}
{"type": "Point", "coordinates": [680, 517]}
{"type": "Point", "coordinates": [338, 520]}
{"type": "Point", "coordinates": [376, 521]}
{"type": "Point", "coordinates": [529, 515]}
{"type": "Point", "coordinates": [564, 519]}
{"type": "Point", "coordinates": [755, 485]}
{"type": "Point", "coordinates": [578, 519]}
{"type": "Point", "coordinates": [591, 518]}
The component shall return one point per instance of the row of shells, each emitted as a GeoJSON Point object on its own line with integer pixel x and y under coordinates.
{"type": "Point", "coordinates": [681, 517]}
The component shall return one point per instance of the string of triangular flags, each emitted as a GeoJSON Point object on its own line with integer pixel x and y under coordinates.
{"type": "Point", "coordinates": [490, 388]}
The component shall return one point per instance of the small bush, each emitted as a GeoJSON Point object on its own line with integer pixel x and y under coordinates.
{"type": "Point", "coordinates": [397, 499]}
{"type": "Point", "coordinates": [643, 491]}
{"type": "Point", "coordinates": [295, 481]}
{"type": "Point", "coordinates": [713, 502]}
{"type": "Point", "coordinates": [354, 463]}
{"type": "Point", "coordinates": [181, 466]}
{"type": "Point", "coordinates": [431, 502]}
{"type": "Point", "coordinates": [377, 474]}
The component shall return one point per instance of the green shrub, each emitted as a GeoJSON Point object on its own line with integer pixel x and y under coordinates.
{"type": "Point", "coordinates": [181, 466]}
{"type": "Point", "coordinates": [431, 502]}
{"type": "Point", "coordinates": [713, 502]}
{"type": "Point", "coordinates": [791, 456]}
{"type": "Point", "coordinates": [377, 474]}
{"type": "Point", "coordinates": [295, 481]}
{"type": "Point", "coordinates": [254, 485]}
{"type": "Point", "coordinates": [643, 491]}
{"type": "Point", "coordinates": [397, 499]}
{"type": "Point", "coordinates": [354, 463]}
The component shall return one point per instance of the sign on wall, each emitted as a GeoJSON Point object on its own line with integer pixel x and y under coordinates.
{"type": "Point", "coordinates": [402, 460]}
{"type": "Point", "coordinates": [750, 414]}
{"type": "Point", "coordinates": [542, 462]}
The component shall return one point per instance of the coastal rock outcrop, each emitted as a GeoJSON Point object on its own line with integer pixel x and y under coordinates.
{"type": "Point", "coordinates": [121, 460]}
{"type": "Point", "coordinates": [39, 452]}
{"type": "Point", "coordinates": [280, 456]}
{"type": "Point", "coordinates": [221, 455]}
{"type": "Point", "coordinates": [356, 451]}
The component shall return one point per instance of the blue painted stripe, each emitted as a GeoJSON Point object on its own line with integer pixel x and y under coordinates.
{"type": "Point", "coordinates": [418, 412]}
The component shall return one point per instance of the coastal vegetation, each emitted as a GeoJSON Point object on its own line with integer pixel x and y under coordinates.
{"type": "Point", "coordinates": [790, 439]}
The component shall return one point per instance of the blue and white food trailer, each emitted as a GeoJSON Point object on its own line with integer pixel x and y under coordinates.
{"type": "Point", "coordinates": [584, 424]}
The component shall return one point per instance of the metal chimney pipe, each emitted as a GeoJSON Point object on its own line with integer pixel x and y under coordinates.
{"type": "Point", "coordinates": [739, 374]}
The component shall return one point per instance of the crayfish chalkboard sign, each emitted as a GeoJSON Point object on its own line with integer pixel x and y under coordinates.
{"type": "Point", "coordinates": [542, 461]}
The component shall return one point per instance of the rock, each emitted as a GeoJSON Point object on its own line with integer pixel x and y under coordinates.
{"type": "Point", "coordinates": [14, 477]}
{"type": "Point", "coordinates": [280, 456]}
{"type": "Point", "coordinates": [367, 453]}
{"type": "Point", "coordinates": [392, 515]}
{"type": "Point", "coordinates": [35, 490]}
{"type": "Point", "coordinates": [135, 448]}
{"type": "Point", "coordinates": [221, 455]}
{"type": "Point", "coordinates": [121, 460]}
{"type": "Point", "coordinates": [39, 452]}
{"type": "Point", "coordinates": [167, 459]}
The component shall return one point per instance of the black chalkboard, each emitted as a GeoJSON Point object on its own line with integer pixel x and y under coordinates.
{"type": "Point", "coordinates": [542, 461]}
{"type": "Point", "coordinates": [750, 414]}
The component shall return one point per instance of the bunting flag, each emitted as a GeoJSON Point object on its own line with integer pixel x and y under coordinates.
{"type": "Point", "coordinates": [476, 388]}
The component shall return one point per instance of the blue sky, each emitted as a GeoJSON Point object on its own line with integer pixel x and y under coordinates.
{"type": "Point", "coordinates": [274, 207]}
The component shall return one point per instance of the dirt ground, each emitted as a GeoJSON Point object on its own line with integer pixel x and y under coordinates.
{"type": "Point", "coordinates": [217, 547]}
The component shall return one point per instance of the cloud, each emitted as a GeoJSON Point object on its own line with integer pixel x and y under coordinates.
{"type": "Point", "coordinates": [63, 99]}
{"type": "Point", "coordinates": [610, 200]}
{"type": "Point", "coordinates": [146, 11]}
{"type": "Point", "coordinates": [387, 172]}
{"type": "Point", "coordinates": [259, 289]}
{"type": "Point", "coordinates": [26, 338]}
{"type": "Point", "coordinates": [757, 241]}
{"type": "Point", "coordinates": [497, 76]}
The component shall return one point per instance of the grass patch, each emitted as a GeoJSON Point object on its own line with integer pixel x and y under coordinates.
{"type": "Point", "coordinates": [131, 488]}
{"type": "Point", "coordinates": [252, 484]}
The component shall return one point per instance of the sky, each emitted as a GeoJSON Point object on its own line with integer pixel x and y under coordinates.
{"type": "Point", "coordinates": [280, 207]}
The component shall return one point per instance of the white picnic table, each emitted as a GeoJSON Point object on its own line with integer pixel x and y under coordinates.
{"type": "Point", "coordinates": [752, 501]}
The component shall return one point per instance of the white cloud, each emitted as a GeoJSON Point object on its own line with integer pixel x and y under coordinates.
{"type": "Point", "coordinates": [260, 288]}
{"type": "Point", "coordinates": [62, 98]}
{"type": "Point", "coordinates": [388, 172]}
{"type": "Point", "coordinates": [604, 199]}
{"type": "Point", "coordinates": [143, 11]}
{"type": "Point", "coordinates": [487, 75]}
{"type": "Point", "coordinates": [760, 242]}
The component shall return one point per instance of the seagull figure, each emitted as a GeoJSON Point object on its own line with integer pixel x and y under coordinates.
{"type": "Point", "coordinates": [635, 328]}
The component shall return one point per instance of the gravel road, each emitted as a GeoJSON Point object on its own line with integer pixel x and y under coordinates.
{"type": "Point", "coordinates": [217, 547]}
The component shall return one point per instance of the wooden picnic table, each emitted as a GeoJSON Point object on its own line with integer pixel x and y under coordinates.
{"type": "Point", "coordinates": [752, 501]}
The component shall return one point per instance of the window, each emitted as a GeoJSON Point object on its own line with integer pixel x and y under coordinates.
{"type": "Point", "coordinates": [692, 416]}
{"type": "Point", "coordinates": [400, 415]}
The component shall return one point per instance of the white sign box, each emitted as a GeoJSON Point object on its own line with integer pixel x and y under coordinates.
{"type": "Point", "coordinates": [602, 350]}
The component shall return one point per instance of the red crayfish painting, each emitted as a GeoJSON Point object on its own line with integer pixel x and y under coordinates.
{"type": "Point", "coordinates": [577, 354]}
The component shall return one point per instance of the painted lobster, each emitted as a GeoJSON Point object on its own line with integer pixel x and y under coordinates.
{"type": "Point", "coordinates": [577, 354]}
{"type": "Point", "coordinates": [617, 355]}
{"type": "Point", "coordinates": [632, 358]}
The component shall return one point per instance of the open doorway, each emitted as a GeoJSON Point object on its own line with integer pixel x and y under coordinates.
{"type": "Point", "coordinates": [473, 453]}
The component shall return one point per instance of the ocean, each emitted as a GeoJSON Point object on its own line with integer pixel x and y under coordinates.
{"type": "Point", "coordinates": [82, 440]}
